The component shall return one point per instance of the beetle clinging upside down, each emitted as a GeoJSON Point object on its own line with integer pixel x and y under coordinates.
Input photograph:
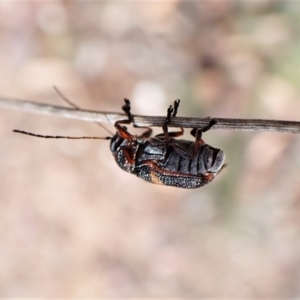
{"type": "Point", "coordinates": [162, 159]}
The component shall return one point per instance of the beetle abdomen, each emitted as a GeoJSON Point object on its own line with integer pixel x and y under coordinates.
{"type": "Point", "coordinates": [206, 160]}
{"type": "Point", "coordinates": [182, 171]}
{"type": "Point", "coordinates": [152, 173]}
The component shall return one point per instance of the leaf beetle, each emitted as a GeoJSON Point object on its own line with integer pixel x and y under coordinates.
{"type": "Point", "coordinates": [161, 159]}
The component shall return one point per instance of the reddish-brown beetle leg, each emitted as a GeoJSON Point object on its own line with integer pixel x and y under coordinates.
{"type": "Point", "coordinates": [172, 111]}
{"type": "Point", "coordinates": [197, 133]}
{"type": "Point", "coordinates": [127, 109]}
{"type": "Point", "coordinates": [121, 129]}
{"type": "Point", "coordinates": [129, 158]}
{"type": "Point", "coordinates": [176, 105]}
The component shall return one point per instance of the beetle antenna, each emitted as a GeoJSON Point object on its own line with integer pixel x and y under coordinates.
{"type": "Point", "coordinates": [62, 137]}
{"type": "Point", "coordinates": [77, 107]}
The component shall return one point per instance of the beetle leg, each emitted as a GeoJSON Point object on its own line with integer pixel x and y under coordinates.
{"type": "Point", "coordinates": [127, 109]}
{"type": "Point", "coordinates": [172, 112]}
{"type": "Point", "coordinates": [145, 134]}
{"type": "Point", "coordinates": [123, 132]}
{"type": "Point", "coordinates": [172, 134]}
{"type": "Point", "coordinates": [197, 133]}
{"type": "Point", "coordinates": [165, 125]}
{"type": "Point", "coordinates": [127, 154]}
{"type": "Point", "coordinates": [176, 105]}
{"type": "Point", "coordinates": [121, 129]}
{"type": "Point", "coordinates": [211, 123]}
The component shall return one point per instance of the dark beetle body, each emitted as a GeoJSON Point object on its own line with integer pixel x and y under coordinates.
{"type": "Point", "coordinates": [169, 162]}
{"type": "Point", "coordinates": [161, 159]}
{"type": "Point", "coordinates": [155, 164]}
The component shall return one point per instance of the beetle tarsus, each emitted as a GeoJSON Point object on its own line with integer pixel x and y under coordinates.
{"type": "Point", "coordinates": [211, 123]}
{"type": "Point", "coordinates": [169, 114]}
{"type": "Point", "coordinates": [126, 108]}
{"type": "Point", "coordinates": [176, 105]}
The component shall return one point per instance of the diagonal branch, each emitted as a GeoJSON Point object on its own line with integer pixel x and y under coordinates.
{"type": "Point", "coordinates": [112, 117]}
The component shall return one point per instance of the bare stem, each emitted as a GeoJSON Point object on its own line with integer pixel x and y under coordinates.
{"type": "Point", "coordinates": [112, 117]}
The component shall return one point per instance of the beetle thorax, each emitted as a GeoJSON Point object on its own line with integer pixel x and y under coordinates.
{"type": "Point", "coordinates": [120, 146]}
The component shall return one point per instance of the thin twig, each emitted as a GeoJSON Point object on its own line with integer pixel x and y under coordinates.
{"type": "Point", "coordinates": [112, 117]}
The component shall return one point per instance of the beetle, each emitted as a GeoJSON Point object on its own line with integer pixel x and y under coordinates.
{"type": "Point", "coordinates": [162, 159]}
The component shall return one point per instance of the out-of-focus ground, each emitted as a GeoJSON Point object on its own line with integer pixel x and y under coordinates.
{"type": "Point", "coordinates": [73, 224]}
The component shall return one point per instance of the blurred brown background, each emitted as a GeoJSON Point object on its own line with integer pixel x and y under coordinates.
{"type": "Point", "coordinates": [73, 224]}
